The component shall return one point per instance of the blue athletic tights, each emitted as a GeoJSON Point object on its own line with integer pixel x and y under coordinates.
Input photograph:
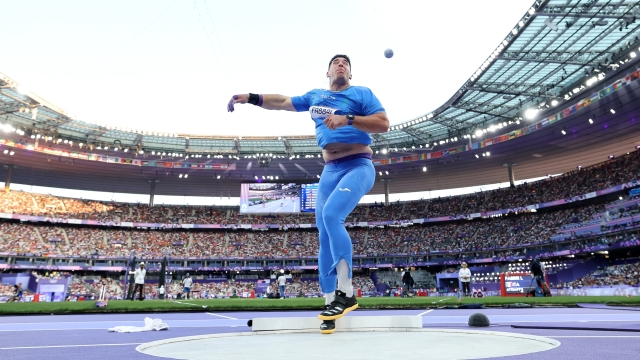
{"type": "Point", "coordinates": [341, 187]}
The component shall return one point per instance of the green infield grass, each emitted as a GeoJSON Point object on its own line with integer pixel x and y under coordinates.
{"type": "Point", "coordinates": [296, 304]}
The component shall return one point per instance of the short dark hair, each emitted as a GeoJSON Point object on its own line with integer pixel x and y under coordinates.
{"type": "Point", "coordinates": [342, 56]}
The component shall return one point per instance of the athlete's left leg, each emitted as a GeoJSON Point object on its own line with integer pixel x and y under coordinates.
{"type": "Point", "coordinates": [358, 179]}
{"type": "Point", "coordinates": [354, 184]}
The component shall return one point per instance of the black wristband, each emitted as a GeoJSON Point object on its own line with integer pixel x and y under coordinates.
{"type": "Point", "coordinates": [254, 99]}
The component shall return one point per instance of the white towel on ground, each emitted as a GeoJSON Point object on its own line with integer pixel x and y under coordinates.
{"type": "Point", "coordinates": [149, 325]}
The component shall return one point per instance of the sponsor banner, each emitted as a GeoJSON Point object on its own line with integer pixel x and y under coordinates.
{"type": "Point", "coordinates": [378, 223]}
{"type": "Point", "coordinates": [207, 226]}
{"type": "Point", "coordinates": [437, 219]}
{"type": "Point", "coordinates": [614, 189]}
{"type": "Point", "coordinates": [552, 203]}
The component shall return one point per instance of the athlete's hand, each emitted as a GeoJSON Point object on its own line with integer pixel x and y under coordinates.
{"type": "Point", "coordinates": [333, 122]}
{"type": "Point", "coordinates": [237, 99]}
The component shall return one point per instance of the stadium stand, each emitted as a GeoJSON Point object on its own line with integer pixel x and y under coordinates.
{"type": "Point", "coordinates": [612, 172]}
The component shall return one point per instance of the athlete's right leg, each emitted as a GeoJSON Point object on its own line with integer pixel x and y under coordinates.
{"type": "Point", "coordinates": [325, 258]}
{"type": "Point", "coordinates": [328, 182]}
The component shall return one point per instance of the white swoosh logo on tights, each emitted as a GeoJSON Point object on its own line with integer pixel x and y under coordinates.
{"type": "Point", "coordinates": [345, 189]}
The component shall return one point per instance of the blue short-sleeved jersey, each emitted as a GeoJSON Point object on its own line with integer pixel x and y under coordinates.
{"type": "Point", "coordinates": [355, 100]}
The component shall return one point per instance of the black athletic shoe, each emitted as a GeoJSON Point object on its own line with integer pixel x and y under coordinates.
{"type": "Point", "coordinates": [328, 326]}
{"type": "Point", "coordinates": [340, 306]}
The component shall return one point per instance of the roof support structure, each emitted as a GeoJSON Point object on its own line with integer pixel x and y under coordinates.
{"type": "Point", "coordinates": [483, 112]}
{"type": "Point", "coordinates": [417, 134]}
{"type": "Point", "coordinates": [515, 89]}
{"type": "Point", "coordinates": [565, 58]}
{"type": "Point", "coordinates": [596, 10]}
{"type": "Point", "coordinates": [487, 109]}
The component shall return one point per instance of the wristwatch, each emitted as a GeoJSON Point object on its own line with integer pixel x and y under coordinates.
{"type": "Point", "coordinates": [350, 118]}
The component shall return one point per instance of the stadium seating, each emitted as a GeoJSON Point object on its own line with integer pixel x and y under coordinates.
{"type": "Point", "coordinates": [505, 235]}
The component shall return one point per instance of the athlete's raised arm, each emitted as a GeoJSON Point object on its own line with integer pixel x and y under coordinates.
{"type": "Point", "coordinates": [265, 101]}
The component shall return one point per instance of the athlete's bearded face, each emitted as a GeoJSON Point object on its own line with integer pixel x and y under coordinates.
{"type": "Point", "coordinates": [339, 71]}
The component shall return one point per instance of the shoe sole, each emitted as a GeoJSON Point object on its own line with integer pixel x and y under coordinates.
{"type": "Point", "coordinates": [334, 317]}
{"type": "Point", "coordinates": [327, 331]}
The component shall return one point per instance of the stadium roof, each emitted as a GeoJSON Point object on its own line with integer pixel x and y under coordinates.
{"type": "Point", "coordinates": [554, 48]}
{"type": "Point", "coordinates": [557, 52]}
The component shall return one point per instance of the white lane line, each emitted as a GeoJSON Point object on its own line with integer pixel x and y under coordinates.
{"type": "Point", "coordinates": [65, 346]}
{"type": "Point", "coordinates": [508, 323]}
{"type": "Point", "coordinates": [426, 312]}
{"type": "Point", "coordinates": [623, 336]}
{"type": "Point", "coordinates": [222, 316]}
{"type": "Point", "coordinates": [184, 303]}
{"type": "Point", "coordinates": [190, 327]}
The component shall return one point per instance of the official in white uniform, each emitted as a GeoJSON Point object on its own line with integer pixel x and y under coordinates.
{"type": "Point", "coordinates": [186, 283]}
{"type": "Point", "coordinates": [139, 281]}
{"type": "Point", "coordinates": [465, 279]}
{"type": "Point", "coordinates": [282, 283]}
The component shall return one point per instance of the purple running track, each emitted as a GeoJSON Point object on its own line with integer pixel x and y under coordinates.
{"type": "Point", "coordinates": [86, 336]}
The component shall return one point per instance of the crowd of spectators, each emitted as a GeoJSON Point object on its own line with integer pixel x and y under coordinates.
{"type": "Point", "coordinates": [626, 274]}
{"type": "Point", "coordinates": [113, 288]}
{"type": "Point", "coordinates": [502, 232]}
{"type": "Point", "coordinates": [7, 291]}
{"type": "Point", "coordinates": [493, 233]}
{"type": "Point", "coordinates": [159, 243]}
{"type": "Point", "coordinates": [613, 172]}
{"type": "Point", "coordinates": [87, 242]}
{"type": "Point", "coordinates": [208, 244]}
{"type": "Point", "coordinates": [434, 238]}
{"type": "Point", "coordinates": [23, 239]}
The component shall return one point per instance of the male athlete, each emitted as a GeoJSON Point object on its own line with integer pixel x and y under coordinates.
{"type": "Point", "coordinates": [344, 115]}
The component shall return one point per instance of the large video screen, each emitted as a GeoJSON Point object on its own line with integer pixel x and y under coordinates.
{"type": "Point", "coordinates": [269, 198]}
